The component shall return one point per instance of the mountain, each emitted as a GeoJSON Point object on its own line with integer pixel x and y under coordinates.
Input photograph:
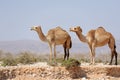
{"type": "Point", "coordinates": [23, 45]}
{"type": "Point", "coordinates": [38, 46]}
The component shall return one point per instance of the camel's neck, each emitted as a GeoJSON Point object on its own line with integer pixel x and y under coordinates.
{"type": "Point", "coordinates": [41, 35]}
{"type": "Point", "coordinates": [81, 36]}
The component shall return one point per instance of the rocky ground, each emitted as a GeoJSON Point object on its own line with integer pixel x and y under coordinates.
{"type": "Point", "coordinates": [42, 71]}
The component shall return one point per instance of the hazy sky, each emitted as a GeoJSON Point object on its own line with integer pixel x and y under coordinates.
{"type": "Point", "coordinates": [17, 16]}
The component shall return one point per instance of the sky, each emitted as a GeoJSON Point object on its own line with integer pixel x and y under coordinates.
{"type": "Point", "coordinates": [18, 16]}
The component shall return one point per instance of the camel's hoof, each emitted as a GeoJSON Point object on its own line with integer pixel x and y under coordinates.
{"type": "Point", "coordinates": [110, 63]}
{"type": "Point", "coordinates": [90, 63]}
{"type": "Point", "coordinates": [94, 64]}
{"type": "Point", "coordinates": [52, 63]}
{"type": "Point", "coordinates": [115, 63]}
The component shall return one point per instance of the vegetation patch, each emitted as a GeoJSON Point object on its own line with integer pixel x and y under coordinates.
{"type": "Point", "coordinates": [52, 63]}
{"type": "Point", "coordinates": [9, 62]}
{"type": "Point", "coordinates": [10, 59]}
{"type": "Point", "coordinates": [26, 58]}
{"type": "Point", "coordinates": [71, 63]}
{"type": "Point", "coordinates": [23, 58]}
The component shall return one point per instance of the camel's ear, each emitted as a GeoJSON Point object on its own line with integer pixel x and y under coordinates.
{"type": "Point", "coordinates": [39, 26]}
{"type": "Point", "coordinates": [79, 28]}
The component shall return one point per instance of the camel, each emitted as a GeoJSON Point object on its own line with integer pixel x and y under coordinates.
{"type": "Point", "coordinates": [55, 36]}
{"type": "Point", "coordinates": [97, 38]}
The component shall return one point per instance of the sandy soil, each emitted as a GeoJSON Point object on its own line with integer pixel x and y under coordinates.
{"type": "Point", "coordinates": [42, 71]}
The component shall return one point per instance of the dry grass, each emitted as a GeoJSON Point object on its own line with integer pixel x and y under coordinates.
{"type": "Point", "coordinates": [9, 59]}
{"type": "Point", "coordinates": [38, 69]}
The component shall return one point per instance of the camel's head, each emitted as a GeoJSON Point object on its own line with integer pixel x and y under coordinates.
{"type": "Point", "coordinates": [35, 28]}
{"type": "Point", "coordinates": [75, 29]}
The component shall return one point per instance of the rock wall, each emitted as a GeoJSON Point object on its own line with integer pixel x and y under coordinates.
{"type": "Point", "coordinates": [58, 72]}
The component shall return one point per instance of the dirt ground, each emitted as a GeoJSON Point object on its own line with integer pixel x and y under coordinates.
{"type": "Point", "coordinates": [42, 71]}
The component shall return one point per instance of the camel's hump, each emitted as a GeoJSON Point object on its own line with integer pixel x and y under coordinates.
{"type": "Point", "coordinates": [100, 31]}
{"type": "Point", "coordinates": [58, 30]}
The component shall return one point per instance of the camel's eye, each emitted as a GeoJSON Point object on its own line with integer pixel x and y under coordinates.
{"type": "Point", "coordinates": [35, 27]}
{"type": "Point", "coordinates": [75, 28]}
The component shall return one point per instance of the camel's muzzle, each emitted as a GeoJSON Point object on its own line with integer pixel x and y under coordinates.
{"type": "Point", "coordinates": [32, 28]}
{"type": "Point", "coordinates": [71, 29]}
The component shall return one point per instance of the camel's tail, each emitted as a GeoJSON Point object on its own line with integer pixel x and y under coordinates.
{"type": "Point", "coordinates": [114, 46]}
{"type": "Point", "coordinates": [70, 44]}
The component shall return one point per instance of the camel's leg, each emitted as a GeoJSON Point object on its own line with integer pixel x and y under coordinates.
{"type": "Point", "coordinates": [65, 54]}
{"type": "Point", "coordinates": [54, 52]}
{"type": "Point", "coordinates": [112, 46]}
{"type": "Point", "coordinates": [91, 56]}
{"type": "Point", "coordinates": [112, 55]}
{"type": "Point", "coordinates": [113, 52]}
{"type": "Point", "coordinates": [93, 53]}
{"type": "Point", "coordinates": [115, 57]}
{"type": "Point", "coordinates": [50, 56]}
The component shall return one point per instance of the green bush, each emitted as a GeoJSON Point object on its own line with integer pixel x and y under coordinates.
{"type": "Point", "coordinates": [9, 62]}
{"type": "Point", "coordinates": [52, 63]}
{"type": "Point", "coordinates": [84, 60]}
{"type": "Point", "coordinates": [59, 60]}
{"type": "Point", "coordinates": [26, 58]}
{"type": "Point", "coordinates": [1, 53]}
{"type": "Point", "coordinates": [71, 63]}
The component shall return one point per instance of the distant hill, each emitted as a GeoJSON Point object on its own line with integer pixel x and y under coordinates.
{"type": "Point", "coordinates": [34, 46]}
{"type": "Point", "coordinates": [41, 47]}
{"type": "Point", "coordinates": [23, 45]}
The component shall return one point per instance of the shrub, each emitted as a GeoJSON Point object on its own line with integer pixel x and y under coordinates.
{"type": "Point", "coordinates": [9, 62]}
{"type": "Point", "coordinates": [71, 63]}
{"type": "Point", "coordinates": [41, 58]}
{"type": "Point", "coordinates": [59, 60]}
{"type": "Point", "coordinates": [99, 60]}
{"type": "Point", "coordinates": [1, 55]}
{"type": "Point", "coordinates": [53, 62]}
{"type": "Point", "coordinates": [84, 60]}
{"type": "Point", "coordinates": [26, 58]}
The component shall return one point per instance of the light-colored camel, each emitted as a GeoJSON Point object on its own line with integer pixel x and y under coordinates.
{"type": "Point", "coordinates": [97, 38]}
{"type": "Point", "coordinates": [55, 36]}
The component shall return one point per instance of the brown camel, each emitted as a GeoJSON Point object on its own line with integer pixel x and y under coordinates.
{"type": "Point", "coordinates": [97, 38]}
{"type": "Point", "coordinates": [55, 36]}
